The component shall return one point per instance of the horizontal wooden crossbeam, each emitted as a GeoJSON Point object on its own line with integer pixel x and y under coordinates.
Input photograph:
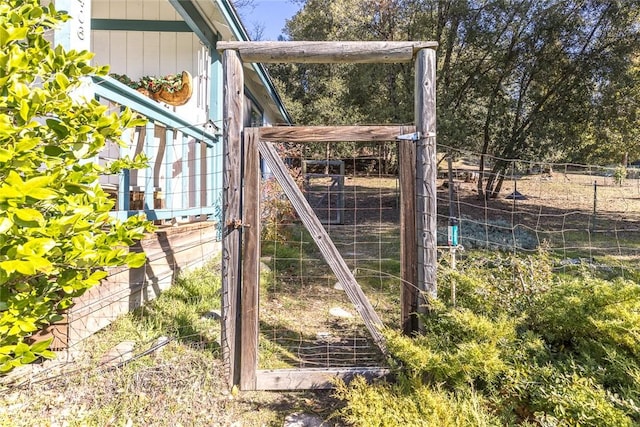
{"type": "Point", "coordinates": [313, 378]}
{"type": "Point", "coordinates": [327, 52]}
{"type": "Point", "coordinates": [302, 134]}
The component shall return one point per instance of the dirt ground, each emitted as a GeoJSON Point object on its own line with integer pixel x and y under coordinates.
{"type": "Point", "coordinates": [549, 201]}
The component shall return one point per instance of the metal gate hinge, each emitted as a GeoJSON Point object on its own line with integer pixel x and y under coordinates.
{"type": "Point", "coordinates": [409, 136]}
{"type": "Point", "coordinates": [415, 136]}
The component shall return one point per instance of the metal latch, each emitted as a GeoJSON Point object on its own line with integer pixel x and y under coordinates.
{"type": "Point", "coordinates": [236, 223]}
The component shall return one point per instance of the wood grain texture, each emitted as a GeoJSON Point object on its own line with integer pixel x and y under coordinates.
{"type": "Point", "coordinates": [426, 173]}
{"type": "Point", "coordinates": [309, 379]}
{"type": "Point", "coordinates": [409, 293]}
{"type": "Point", "coordinates": [233, 105]}
{"type": "Point", "coordinates": [327, 51]}
{"type": "Point", "coordinates": [323, 241]}
{"type": "Point", "coordinates": [303, 134]}
{"type": "Point", "coordinates": [249, 294]}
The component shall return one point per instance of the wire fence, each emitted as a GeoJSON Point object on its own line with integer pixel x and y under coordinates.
{"type": "Point", "coordinates": [582, 214]}
{"type": "Point", "coordinates": [577, 211]}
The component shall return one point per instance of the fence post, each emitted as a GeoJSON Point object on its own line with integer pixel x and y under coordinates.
{"type": "Point", "coordinates": [452, 235]}
{"type": "Point", "coordinates": [409, 294]}
{"type": "Point", "coordinates": [231, 192]}
{"type": "Point", "coordinates": [595, 205]}
{"type": "Point", "coordinates": [249, 288]}
{"type": "Point", "coordinates": [426, 173]}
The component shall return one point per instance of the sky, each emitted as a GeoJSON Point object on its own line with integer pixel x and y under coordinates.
{"type": "Point", "coordinates": [270, 14]}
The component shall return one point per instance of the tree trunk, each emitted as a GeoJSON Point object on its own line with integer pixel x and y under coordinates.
{"type": "Point", "coordinates": [480, 177]}
{"type": "Point", "coordinates": [498, 187]}
{"type": "Point", "coordinates": [495, 180]}
{"type": "Point", "coordinates": [485, 148]}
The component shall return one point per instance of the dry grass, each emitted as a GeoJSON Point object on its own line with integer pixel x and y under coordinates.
{"type": "Point", "coordinates": [180, 383]}
{"type": "Point", "coordinates": [182, 386]}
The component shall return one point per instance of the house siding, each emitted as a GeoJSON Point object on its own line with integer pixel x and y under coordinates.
{"type": "Point", "coordinates": [185, 157]}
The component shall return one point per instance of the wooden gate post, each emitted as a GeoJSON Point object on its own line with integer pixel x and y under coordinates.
{"type": "Point", "coordinates": [409, 293]}
{"type": "Point", "coordinates": [233, 105]}
{"type": "Point", "coordinates": [250, 286]}
{"type": "Point", "coordinates": [426, 174]}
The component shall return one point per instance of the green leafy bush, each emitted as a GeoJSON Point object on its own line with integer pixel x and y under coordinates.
{"type": "Point", "coordinates": [620, 174]}
{"type": "Point", "coordinates": [522, 346]}
{"type": "Point", "coordinates": [55, 229]}
{"type": "Point", "coordinates": [395, 405]}
{"type": "Point", "coordinates": [277, 213]}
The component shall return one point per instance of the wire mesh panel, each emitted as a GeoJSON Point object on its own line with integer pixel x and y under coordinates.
{"type": "Point", "coordinates": [581, 213]}
{"type": "Point", "coordinates": [306, 318]}
{"type": "Point", "coordinates": [324, 189]}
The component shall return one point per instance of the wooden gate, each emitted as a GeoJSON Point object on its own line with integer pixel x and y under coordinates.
{"type": "Point", "coordinates": [241, 241]}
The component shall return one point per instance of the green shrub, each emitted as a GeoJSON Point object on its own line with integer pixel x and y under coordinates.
{"type": "Point", "coordinates": [392, 405]}
{"type": "Point", "coordinates": [497, 285]}
{"type": "Point", "coordinates": [277, 213]}
{"type": "Point", "coordinates": [522, 346]}
{"type": "Point", "coordinates": [55, 229]}
{"type": "Point", "coordinates": [620, 174]}
{"type": "Point", "coordinates": [458, 348]}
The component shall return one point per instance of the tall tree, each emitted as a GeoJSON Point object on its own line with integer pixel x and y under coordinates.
{"type": "Point", "coordinates": [529, 79]}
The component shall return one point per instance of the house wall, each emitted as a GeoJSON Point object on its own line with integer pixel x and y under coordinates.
{"type": "Point", "coordinates": [143, 53]}
{"type": "Point", "coordinates": [151, 53]}
{"type": "Point", "coordinates": [186, 172]}
{"type": "Point", "coordinates": [135, 9]}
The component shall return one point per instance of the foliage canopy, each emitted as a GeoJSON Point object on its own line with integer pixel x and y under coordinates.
{"type": "Point", "coordinates": [534, 80]}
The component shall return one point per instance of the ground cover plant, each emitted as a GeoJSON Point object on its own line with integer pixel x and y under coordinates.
{"type": "Point", "coordinates": [522, 345]}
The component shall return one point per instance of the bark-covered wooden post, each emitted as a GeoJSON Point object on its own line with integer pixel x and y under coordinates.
{"type": "Point", "coordinates": [233, 105]}
{"type": "Point", "coordinates": [426, 174]}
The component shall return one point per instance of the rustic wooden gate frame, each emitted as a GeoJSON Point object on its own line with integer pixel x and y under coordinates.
{"type": "Point", "coordinates": [241, 194]}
